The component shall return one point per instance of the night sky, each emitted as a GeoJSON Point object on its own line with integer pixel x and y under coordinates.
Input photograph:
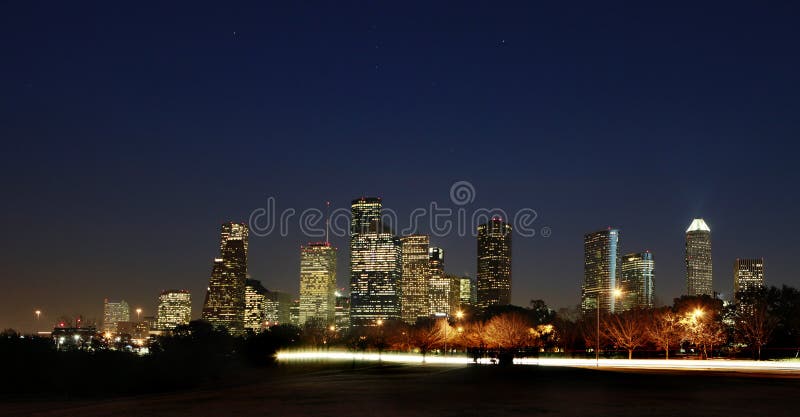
{"type": "Point", "coordinates": [131, 132]}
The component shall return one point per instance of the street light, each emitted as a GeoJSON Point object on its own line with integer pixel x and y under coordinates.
{"type": "Point", "coordinates": [615, 293]}
{"type": "Point", "coordinates": [38, 313]}
{"type": "Point", "coordinates": [138, 314]}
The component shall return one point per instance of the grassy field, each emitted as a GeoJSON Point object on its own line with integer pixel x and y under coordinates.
{"type": "Point", "coordinates": [369, 389]}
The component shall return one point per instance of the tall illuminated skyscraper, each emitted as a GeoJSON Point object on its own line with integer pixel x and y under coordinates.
{"type": "Point", "coordinates": [375, 266]}
{"type": "Point", "coordinates": [317, 283]}
{"type": "Point", "coordinates": [494, 263]}
{"type": "Point", "coordinates": [114, 312]}
{"type": "Point", "coordinates": [225, 298]}
{"type": "Point", "coordinates": [416, 278]}
{"type": "Point", "coordinates": [637, 271]}
{"type": "Point", "coordinates": [174, 309]}
{"type": "Point", "coordinates": [439, 290]}
{"type": "Point", "coordinates": [699, 278]}
{"type": "Point", "coordinates": [748, 274]}
{"type": "Point", "coordinates": [600, 271]}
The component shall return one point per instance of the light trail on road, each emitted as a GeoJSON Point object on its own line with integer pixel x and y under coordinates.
{"type": "Point", "coordinates": [643, 364]}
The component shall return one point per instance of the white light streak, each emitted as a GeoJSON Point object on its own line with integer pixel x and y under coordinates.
{"type": "Point", "coordinates": [643, 364]}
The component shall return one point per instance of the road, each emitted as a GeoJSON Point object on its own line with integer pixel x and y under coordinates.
{"type": "Point", "coordinates": [338, 389]}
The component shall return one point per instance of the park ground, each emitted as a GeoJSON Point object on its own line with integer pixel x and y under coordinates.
{"type": "Point", "coordinates": [347, 389]}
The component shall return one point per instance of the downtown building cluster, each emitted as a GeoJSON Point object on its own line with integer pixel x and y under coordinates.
{"type": "Point", "coordinates": [616, 281]}
{"type": "Point", "coordinates": [391, 278]}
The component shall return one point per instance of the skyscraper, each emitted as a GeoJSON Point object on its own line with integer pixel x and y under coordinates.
{"type": "Point", "coordinates": [494, 263]}
{"type": "Point", "coordinates": [453, 293]}
{"type": "Point", "coordinates": [466, 290]}
{"type": "Point", "coordinates": [174, 309]}
{"type": "Point", "coordinates": [114, 312]}
{"type": "Point", "coordinates": [699, 279]}
{"type": "Point", "coordinates": [342, 314]}
{"type": "Point", "coordinates": [637, 271]}
{"type": "Point", "coordinates": [416, 278]}
{"type": "Point", "coordinates": [748, 274]}
{"type": "Point", "coordinates": [255, 306]}
{"type": "Point", "coordinates": [365, 215]}
{"type": "Point", "coordinates": [224, 303]}
{"type": "Point", "coordinates": [600, 270]}
{"type": "Point", "coordinates": [317, 283]}
{"type": "Point", "coordinates": [439, 290]}
{"type": "Point", "coordinates": [375, 266]}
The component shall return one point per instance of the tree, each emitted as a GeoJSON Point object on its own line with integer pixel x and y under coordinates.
{"type": "Point", "coordinates": [508, 333]}
{"type": "Point", "coordinates": [754, 320]}
{"type": "Point", "coordinates": [426, 335]}
{"type": "Point", "coordinates": [627, 330]}
{"type": "Point", "coordinates": [664, 329]}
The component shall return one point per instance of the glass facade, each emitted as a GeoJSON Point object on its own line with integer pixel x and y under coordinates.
{"type": "Point", "coordinates": [637, 273]}
{"type": "Point", "coordinates": [494, 264]}
{"type": "Point", "coordinates": [600, 259]}
{"type": "Point", "coordinates": [416, 278]}
{"type": "Point", "coordinates": [317, 283]}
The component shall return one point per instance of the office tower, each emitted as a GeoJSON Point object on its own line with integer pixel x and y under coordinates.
{"type": "Point", "coordinates": [637, 280]}
{"type": "Point", "coordinates": [277, 307]}
{"type": "Point", "coordinates": [224, 303]}
{"type": "Point", "coordinates": [342, 313]}
{"type": "Point", "coordinates": [174, 309]}
{"type": "Point", "coordinates": [600, 271]}
{"type": "Point", "coordinates": [113, 312]}
{"type": "Point", "coordinates": [255, 306]}
{"type": "Point", "coordinates": [376, 269]}
{"type": "Point", "coordinates": [465, 291]}
{"type": "Point", "coordinates": [439, 290]}
{"type": "Point", "coordinates": [699, 279]}
{"type": "Point", "coordinates": [317, 283]}
{"type": "Point", "coordinates": [365, 214]}
{"type": "Point", "coordinates": [494, 263]}
{"type": "Point", "coordinates": [748, 275]}
{"type": "Point", "coordinates": [453, 293]}
{"type": "Point", "coordinates": [416, 278]}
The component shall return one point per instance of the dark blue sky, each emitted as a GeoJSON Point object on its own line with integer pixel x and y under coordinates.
{"type": "Point", "coordinates": [131, 132]}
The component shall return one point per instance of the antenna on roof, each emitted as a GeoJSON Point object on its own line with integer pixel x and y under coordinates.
{"type": "Point", "coordinates": [327, 221]}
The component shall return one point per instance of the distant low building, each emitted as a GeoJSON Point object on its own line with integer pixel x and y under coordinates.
{"type": "Point", "coordinates": [114, 312]}
{"type": "Point", "coordinates": [134, 329]}
{"type": "Point", "coordinates": [76, 338]}
{"type": "Point", "coordinates": [174, 309]}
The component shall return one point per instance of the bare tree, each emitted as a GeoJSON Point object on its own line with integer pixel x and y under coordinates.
{"type": "Point", "coordinates": [665, 330]}
{"type": "Point", "coordinates": [627, 330]}
{"type": "Point", "coordinates": [508, 333]}
{"type": "Point", "coordinates": [426, 335]}
{"type": "Point", "coordinates": [704, 331]}
{"type": "Point", "coordinates": [755, 323]}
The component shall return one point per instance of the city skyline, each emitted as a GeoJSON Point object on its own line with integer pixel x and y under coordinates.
{"type": "Point", "coordinates": [127, 150]}
{"type": "Point", "coordinates": [638, 275]}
